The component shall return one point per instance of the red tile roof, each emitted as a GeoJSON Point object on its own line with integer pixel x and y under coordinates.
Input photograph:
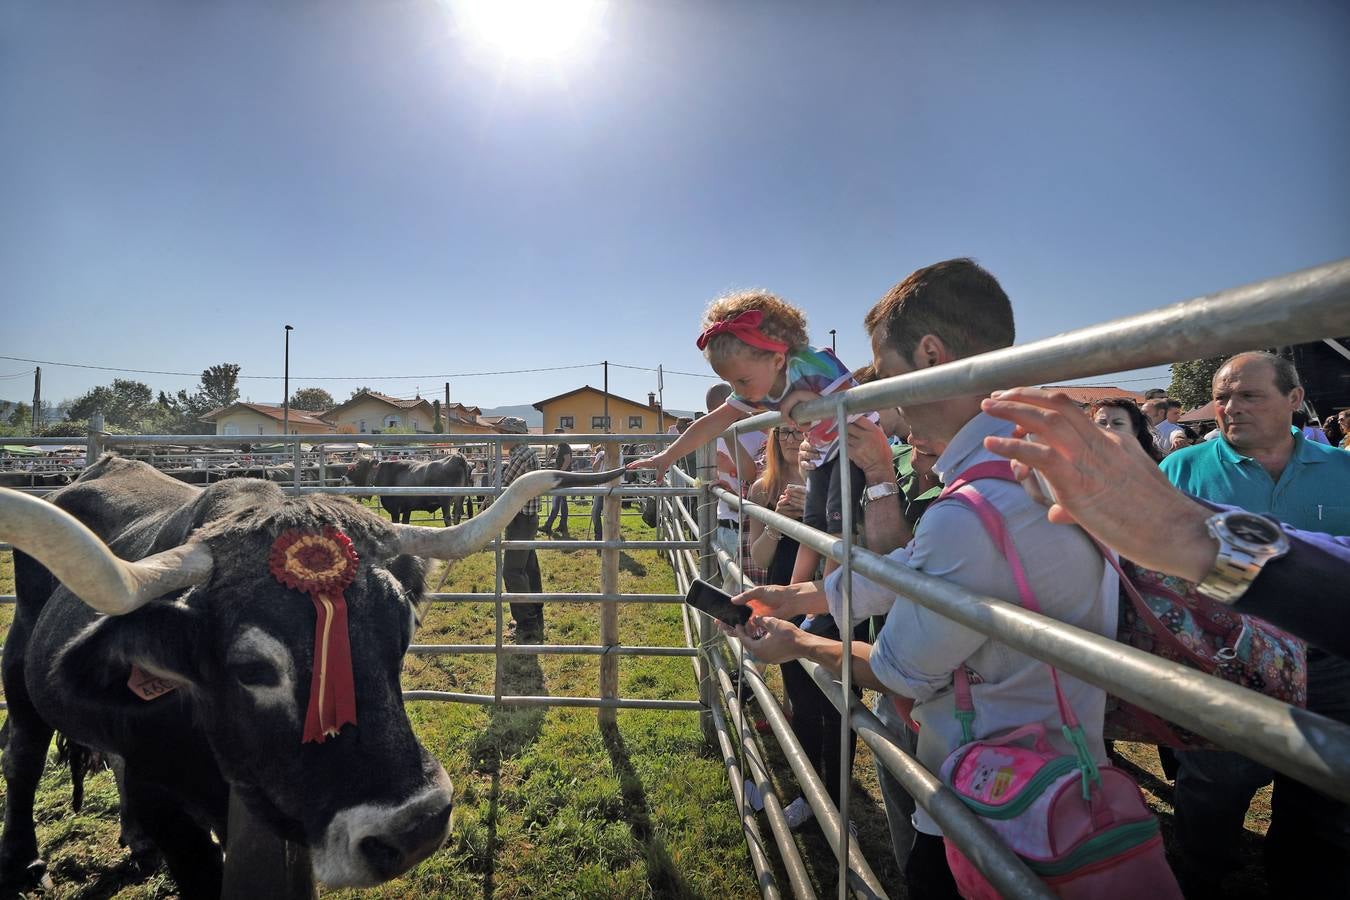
{"type": "Point", "coordinates": [272, 412]}
{"type": "Point", "coordinates": [1090, 393]}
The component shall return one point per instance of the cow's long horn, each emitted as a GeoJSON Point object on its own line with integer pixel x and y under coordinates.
{"type": "Point", "coordinates": [459, 541]}
{"type": "Point", "coordinates": [83, 563]}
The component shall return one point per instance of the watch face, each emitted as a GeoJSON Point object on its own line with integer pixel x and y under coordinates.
{"type": "Point", "coordinates": [1251, 529]}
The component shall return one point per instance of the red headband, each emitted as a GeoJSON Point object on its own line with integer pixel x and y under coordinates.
{"type": "Point", "coordinates": [746, 328]}
{"type": "Point", "coordinates": [322, 564]}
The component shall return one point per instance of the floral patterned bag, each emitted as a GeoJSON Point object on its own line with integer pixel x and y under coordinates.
{"type": "Point", "coordinates": [1168, 617]}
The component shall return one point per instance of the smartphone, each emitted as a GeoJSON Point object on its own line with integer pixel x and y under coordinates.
{"type": "Point", "coordinates": [716, 603]}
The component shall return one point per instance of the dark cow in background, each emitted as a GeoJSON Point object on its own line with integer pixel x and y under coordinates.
{"type": "Point", "coordinates": [35, 479]}
{"type": "Point", "coordinates": [449, 471]}
{"type": "Point", "coordinates": [130, 576]}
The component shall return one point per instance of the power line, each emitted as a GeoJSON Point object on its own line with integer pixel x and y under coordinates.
{"type": "Point", "coordinates": [665, 371]}
{"type": "Point", "coordinates": [47, 362]}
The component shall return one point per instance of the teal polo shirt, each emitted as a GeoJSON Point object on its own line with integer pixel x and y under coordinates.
{"type": "Point", "coordinates": [1313, 492]}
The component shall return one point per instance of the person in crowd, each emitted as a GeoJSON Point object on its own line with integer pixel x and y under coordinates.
{"type": "Point", "coordinates": [1159, 412]}
{"type": "Point", "coordinates": [1123, 416]}
{"type": "Point", "coordinates": [520, 568]}
{"type": "Point", "coordinates": [1310, 428]}
{"type": "Point", "coordinates": [815, 721]}
{"type": "Point", "coordinates": [939, 314]}
{"type": "Point", "coordinates": [1331, 427]}
{"type": "Point", "coordinates": [562, 461]}
{"type": "Point", "coordinates": [758, 344]}
{"type": "Point", "coordinates": [1262, 464]}
{"type": "Point", "coordinates": [1343, 420]}
{"type": "Point", "coordinates": [1099, 482]}
{"type": "Point", "coordinates": [894, 499]}
{"type": "Point", "coordinates": [598, 462]}
{"type": "Point", "coordinates": [732, 469]}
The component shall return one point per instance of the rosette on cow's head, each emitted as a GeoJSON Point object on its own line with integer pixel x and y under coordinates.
{"type": "Point", "coordinates": [322, 564]}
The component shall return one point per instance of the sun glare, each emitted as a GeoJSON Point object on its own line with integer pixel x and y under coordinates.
{"type": "Point", "coordinates": [530, 30]}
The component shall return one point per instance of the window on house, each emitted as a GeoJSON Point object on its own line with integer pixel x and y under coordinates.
{"type": "Point", "coordinates": [567, 423]}
{"type": "Point", "coordinates": [362, 426]}
{"type": "Point", "coordinates": [599, 422]}
{"type": "Point", "coordinates": [392, 421]}
{"type": "Point", "coordinates": [635, 422]}
{"type": "Point", "coordinates": [230, 428]}
{"type": "Point", "coordinates": [260, 429]}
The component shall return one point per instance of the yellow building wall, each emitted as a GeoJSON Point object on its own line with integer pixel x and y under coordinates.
{"type": "Point", "coordinates": [247, 422]}
{"type": "Point", "coordinates": [376, 413]}
{"type": "Point", "coordinates": [585, 405]}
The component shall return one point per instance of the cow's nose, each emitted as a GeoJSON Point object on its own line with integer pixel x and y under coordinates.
{"type": "Point", "coordinates": [391, 855]}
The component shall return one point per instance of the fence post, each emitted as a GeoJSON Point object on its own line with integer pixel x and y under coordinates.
{"type": "Point", "coordinates": [295, 466]}
{"type": "Point", "coordinates": [94, 448]}
{"type": "Point", "coordinates": [705, 469]}
{"type": "Point", "coordinates": [609, 584]}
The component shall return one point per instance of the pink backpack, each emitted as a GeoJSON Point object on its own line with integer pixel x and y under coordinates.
{"type": "Point", "coordinates": [1084, 829]}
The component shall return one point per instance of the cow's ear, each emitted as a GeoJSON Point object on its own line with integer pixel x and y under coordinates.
{"type": "Point", "coordinates": [162, 644]}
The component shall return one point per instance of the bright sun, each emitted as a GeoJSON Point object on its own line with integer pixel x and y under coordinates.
{"type": "Point", "coordinates": [530, 30]}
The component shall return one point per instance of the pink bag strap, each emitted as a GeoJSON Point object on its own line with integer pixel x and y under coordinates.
{"type": "Point", "coordinates": [963, 490]}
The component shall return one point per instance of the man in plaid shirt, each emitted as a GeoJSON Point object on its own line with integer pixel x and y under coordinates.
{"type": "Point", "coordinates": [520, 568]}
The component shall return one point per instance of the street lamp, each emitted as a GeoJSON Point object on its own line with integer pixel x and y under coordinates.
{"type": "Point", "coordinates": [286, 387]}
{"type": "Point", "coordinates": [832, 350]}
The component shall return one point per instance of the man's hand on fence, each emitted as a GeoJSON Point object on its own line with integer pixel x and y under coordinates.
{"type": "Point", "coordinates": [806, 455]}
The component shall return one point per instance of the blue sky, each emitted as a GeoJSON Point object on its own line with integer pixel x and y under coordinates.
{"type": "Point", "coordinates": [179, 180]}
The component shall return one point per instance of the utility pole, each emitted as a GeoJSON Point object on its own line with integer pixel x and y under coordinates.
{"type": "Point", "coordinates": [607, 422]}
{"type": "Point", "coordinates": [832, 349]}
{"type": "Point", "coordinates": [37, 399]}
{"type": "Point", "coordinates": [286, 390]}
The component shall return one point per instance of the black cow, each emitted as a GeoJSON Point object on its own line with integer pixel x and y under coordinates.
{"type": "Point", "coordinates": [128, 570]}
{"type": "Point", "coordinates": [34, 479]}
{"type": "Point", "coordinates": [450, 471]}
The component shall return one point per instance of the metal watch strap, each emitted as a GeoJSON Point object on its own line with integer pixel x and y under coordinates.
{"type": "Point", "coordinates": [879, 490]}
{"type": "Point", "coordinates": [1235, 568]}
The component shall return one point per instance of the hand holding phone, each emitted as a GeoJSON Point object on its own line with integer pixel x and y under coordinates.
{"type": "Point", "coordinates": [716, 603]}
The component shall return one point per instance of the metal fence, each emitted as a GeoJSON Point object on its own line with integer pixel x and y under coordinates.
{"type": "Point", "coordinates": [1304, 306]}
{"type": "Point", "coordinates": [1301, 307]}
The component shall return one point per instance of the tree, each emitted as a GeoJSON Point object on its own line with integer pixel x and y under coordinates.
{"type": "Point", "coordinates": [1192, 381]}
{"type": "Point", "coordinates": [125, 403]}
{"type": "Point", "coordinates": [361, 390]}
{"type": "Point", "coordinates": [313, 399]}
{"type": "Point", "coordinates": [220, 385]}
{"type": "Point", "coordinates": [19, 414]}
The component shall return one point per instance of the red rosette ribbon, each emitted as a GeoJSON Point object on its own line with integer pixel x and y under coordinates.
{"type": "Point", "coordinates": [322, 564]}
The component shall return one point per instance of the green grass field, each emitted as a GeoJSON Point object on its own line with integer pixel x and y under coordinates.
{"type": "Point", "coordinates": [548, 804]}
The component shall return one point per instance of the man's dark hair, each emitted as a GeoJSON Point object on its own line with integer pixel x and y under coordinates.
{"type": "Point", "coordinates": [1154, 393]}
{"type": "Point", "coordinates": [956, 300]}
{"type": "Point", "coordinates": [1286, 376]}
{"type": "Point", "coordinates": [1173, 404]}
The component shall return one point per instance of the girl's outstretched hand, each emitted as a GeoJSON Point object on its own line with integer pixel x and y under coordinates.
{"type": "Point", "coordinates": [657, 462]}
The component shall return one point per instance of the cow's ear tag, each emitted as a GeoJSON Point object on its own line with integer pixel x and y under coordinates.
{"type": "Point", "coordinates": [149, 687]}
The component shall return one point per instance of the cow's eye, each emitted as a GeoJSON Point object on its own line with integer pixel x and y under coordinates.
{"type": "Point", "coordinates": [256, 674]}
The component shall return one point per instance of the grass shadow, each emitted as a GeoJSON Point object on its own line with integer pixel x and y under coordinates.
{"type": "Point", "coordinates": [631, 566]}
{"type": "Point", "coordinates": [663, 874]}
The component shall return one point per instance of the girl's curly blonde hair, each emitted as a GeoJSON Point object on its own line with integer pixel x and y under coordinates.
{"type": "Point", "coordinates": [782, 322]}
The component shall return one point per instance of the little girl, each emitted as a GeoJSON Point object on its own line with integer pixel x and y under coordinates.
{"type": "Point", "coordinates": [757, 343]}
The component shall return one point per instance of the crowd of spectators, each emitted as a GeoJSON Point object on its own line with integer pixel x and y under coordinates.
{"type": "Point", "coordinates": [1165, 483]}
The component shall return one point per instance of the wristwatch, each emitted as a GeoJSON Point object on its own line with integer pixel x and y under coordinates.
{"type": "Point", "coordinates": [1246, 543]}
{"type": "Point", "coordinates": [877, 491]}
